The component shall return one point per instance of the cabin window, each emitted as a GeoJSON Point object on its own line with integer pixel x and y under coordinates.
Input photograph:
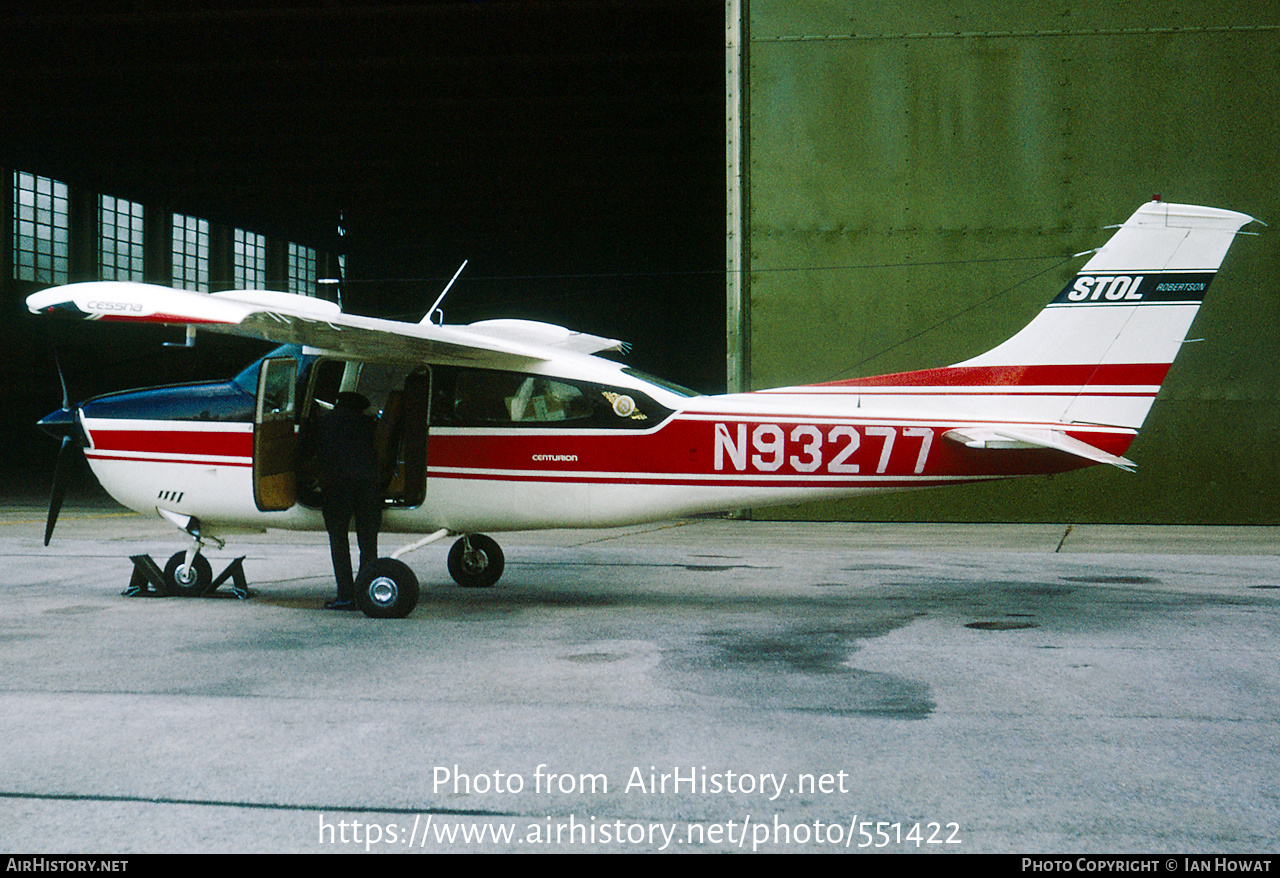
{"type": "Point", "coordinates": [489, 398]}
{"type": "Point", "coordinates": [507, 398]}
{"type": "Point", "coordinates": [276, 387]}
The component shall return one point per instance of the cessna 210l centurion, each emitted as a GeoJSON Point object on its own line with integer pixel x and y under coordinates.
{"type": "Point", "coordinates": [514, 425]}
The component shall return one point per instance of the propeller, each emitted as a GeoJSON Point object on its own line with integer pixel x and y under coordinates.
{"type": "Point", "coordinates": [59, 489]}
{"type": "Point", "coordinates": [60, 423]}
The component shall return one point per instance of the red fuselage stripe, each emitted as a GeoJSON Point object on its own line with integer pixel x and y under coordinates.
{"type": "Point", "coordinates": [1111, 375]}
{"type": "Point", "coordinates": [724, 450]}
{"type": "Point", "coordinates": [206, 443]}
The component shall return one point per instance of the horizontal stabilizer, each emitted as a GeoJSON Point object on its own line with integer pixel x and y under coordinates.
{"type": "Point", "coordinates": [1005, 437]}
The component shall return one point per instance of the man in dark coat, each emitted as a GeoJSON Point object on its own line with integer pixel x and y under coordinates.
{"type": "Point", "coordinates": [348, 470]}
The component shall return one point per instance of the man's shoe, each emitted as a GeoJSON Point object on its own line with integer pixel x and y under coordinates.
{"type": "Point", "coordinates": [341, 605]}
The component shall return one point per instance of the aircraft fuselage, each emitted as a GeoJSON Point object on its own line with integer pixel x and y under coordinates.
{"type": "Point", "coordinates": [473, 450]}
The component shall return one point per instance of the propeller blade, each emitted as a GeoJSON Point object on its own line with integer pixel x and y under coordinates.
{"type": "Point", "coordinates": [59, 488]}
{"type": "Point", "coordinates": [62, 379]}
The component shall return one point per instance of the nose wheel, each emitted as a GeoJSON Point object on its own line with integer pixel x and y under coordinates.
{"type": "Point", "coordinates": [476, 561]}
{"type": "Point", "coordinates": [188, 573]}
{"type": "Point", "coordinates": [188, 579]}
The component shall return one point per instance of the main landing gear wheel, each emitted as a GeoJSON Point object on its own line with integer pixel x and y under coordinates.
{"type": "Point", "coordinates": [475, 561]}
{"type": "Point", "coordinates": [387, 589]}
{"type": "Point", "coordinates": [189, 583]}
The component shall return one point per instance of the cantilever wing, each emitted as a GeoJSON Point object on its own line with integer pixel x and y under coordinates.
{"type": "Point", "coordinates": [289, 318]}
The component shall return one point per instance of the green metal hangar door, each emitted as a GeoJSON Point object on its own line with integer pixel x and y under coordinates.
{"type": "Point", "coordinates": [908, 183]}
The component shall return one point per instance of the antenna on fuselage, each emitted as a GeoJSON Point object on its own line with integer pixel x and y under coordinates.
{"type": "Point", "coordinates": [435, 306]}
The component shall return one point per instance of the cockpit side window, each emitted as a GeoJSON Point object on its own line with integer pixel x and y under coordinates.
{"type": "Point", "coordinates": [487, 398]}
{"type": "Point", "coordinates": [504, 397]}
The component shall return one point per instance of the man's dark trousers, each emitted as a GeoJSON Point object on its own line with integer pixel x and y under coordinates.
{"type": "Point", "coordinates": [345, 499]}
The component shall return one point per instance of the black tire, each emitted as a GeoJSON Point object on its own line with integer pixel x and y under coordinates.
{"type": "Point", "coordinates": [387, 589]}
{"type": "Point", "coordinates": [197, 581]}
{"type": "Point", "coordinates": [476, 562]}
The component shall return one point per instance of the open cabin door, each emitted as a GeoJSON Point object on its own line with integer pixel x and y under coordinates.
{"type": "Point", "coordinates": [400, 399]}
{"type": "Point", "coordinates": [402, 440]}
{"type": "Point", "coordinates": [274, 438]}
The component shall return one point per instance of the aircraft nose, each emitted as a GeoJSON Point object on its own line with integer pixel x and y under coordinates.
{"type": "Point", "coordinates": [59, 424]}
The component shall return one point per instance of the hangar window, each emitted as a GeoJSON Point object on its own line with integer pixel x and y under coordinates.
{"type": "Point", "coordinates": [190, 253]}
{"type": "Point", "coordinates": [250, 260]}
{"type": "Point", "coordinates": [119, 238]}
{"type": "Point", "coordinates": [302, 270]}
{"type": "Point", "coordinates": [41, 230]}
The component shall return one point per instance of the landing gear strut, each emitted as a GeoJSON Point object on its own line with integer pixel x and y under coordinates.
{"type": "Point", "coordinates": [188, 573]}
{"type": "Point", "coordinates": [388, 589]}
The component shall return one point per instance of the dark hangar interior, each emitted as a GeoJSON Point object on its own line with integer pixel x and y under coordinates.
{"type": "Point", "coordinates": [572, 151]}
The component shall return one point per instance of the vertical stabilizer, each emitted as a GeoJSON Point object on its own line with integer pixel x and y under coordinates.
{"type": "Point", "coordinates": [1107, 341]}
{"type": "Point", "coordinates": [1099, 351]}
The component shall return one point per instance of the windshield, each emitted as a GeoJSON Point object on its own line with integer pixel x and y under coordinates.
{"type": "Point", "coordinates": [247, 380]}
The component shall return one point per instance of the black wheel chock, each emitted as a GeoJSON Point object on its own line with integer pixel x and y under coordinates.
{"type": "Point", "coordinates": [149, 580]}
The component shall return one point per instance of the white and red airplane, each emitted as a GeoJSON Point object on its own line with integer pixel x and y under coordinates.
{"type": "Point", "coordinates": [509, 425]}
